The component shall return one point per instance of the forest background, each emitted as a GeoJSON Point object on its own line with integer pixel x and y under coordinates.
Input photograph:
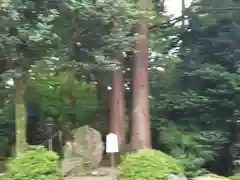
{"type": "Point", "coordinates": [194, 80]}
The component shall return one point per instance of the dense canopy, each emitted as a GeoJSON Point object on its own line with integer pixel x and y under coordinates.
{"type": "Point", "coordinates": [70, 59]}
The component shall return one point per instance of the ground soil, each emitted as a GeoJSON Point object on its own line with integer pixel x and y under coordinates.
{"type": "Point", "coordinates": [110, 175]}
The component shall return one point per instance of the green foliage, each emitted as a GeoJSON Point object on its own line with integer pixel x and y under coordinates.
{"type": "Point", "coordinates": [35, 164]}
{"type": "Point", "coordinates": [90, 32]}
{"type": "Point", "coordinates": [98, 30]}
{"type": "Point", "coordinates": [26, 32]}
{"type": "Point", "coordinates": [6, 124]}
{"type": "Point", "coordinates": [195, 100]}
{"type": "Point", "coordinates": [210, 176]}
{"type": "Point", "coordinates": [234, 177]}
{"type": "Point", "coordinates": [179, 131]}
{"type": "Point", "coordinates": [209, 72]}
{"type": "Point", "coordinates": [199, 101]}
{"type": "Point", "coordinates": [236, 167]}
{"type": "Point", "coordinates": [194, 148]}
{"type": "Point", "coordinates": [148, 164]}
{"type": "Point", "coordinates": [52, 92]}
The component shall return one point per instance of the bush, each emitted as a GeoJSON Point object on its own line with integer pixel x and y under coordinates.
{"type": "Point", "coordinates": [210, 177]}
{"type": "Point", "coordinates": [34, 164]}
{"type": "Point", "coordinates": [234, 177]}
{"type": "Point", "coordinates": [181, 142]}
{"type": "Point", "coordinates": [148, 164]}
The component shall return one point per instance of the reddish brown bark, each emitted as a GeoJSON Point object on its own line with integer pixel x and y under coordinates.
{"type": "Point", "coordinates": [117, 107]}
{"type": "Point", "coordinates": [141, 134]}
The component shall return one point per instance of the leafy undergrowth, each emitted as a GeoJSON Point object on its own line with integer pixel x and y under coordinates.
{"type": "Point", "coordinates": [148, 164]}
{"type": "Point", "coordinates": [35, 164]}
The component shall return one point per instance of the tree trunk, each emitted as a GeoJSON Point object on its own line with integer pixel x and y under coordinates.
{"type": "Point", "coordinates": [117, 107]}
{"type": "Point", "coordinates": [20, 115]}
{"type": "Point", "coordinates": [2, 65]}
{"type": "Point", "coordinates": [141, 133]}
{"type": "Point", "coordinates": [70, 84]}
{"type": "Point", "coordinates": [2, 69]}
{"type": "Point", "coordinates": [103, 99]}
{"type": "Point", "coordinates": [183, 15]}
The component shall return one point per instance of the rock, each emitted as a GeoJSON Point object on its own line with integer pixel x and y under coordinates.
{"type": "Point", "coordinates": [177, 177]}
{"type": "Point", "coordinates": [83, 153]}
{"type": "Point", "coordinates": [210, 177]}
{"type": "Point", "coordinates": [98, 173]}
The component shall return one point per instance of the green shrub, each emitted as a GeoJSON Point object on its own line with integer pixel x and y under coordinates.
{"type": "Point", "coordinates": [181, 142]}
{"type": "Point", "coordinates": [210, 177]}
{"type": "Point", "coordinates": [234, 177]}
{"type": "Point", "coordinates": [148, 164]}
{"type": "Point", "coordinates": [34, 164]}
